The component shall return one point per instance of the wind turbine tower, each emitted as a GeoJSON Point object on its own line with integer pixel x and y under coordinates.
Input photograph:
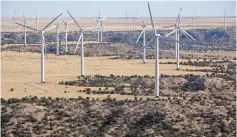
{"type": "Point", "coordinates": [225, 20]}
{"type": "Point", "coordinates": [193, 20]}
{"type": "Point", "coordinates": [156, 92]}
{"type": "Point", "coordinates": [42, 43]}
{"type": "Point", "coordinates": [14, 18]}
{"type": "Point", "coordinates": [177, 31]}
{"type": "Point", "coordinates": [24, 30]}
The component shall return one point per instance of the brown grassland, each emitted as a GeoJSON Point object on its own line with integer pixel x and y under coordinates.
{"type": "Point", "coordinates": [21, 71]}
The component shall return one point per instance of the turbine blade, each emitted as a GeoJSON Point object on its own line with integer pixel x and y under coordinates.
{"type": "Point", "coordinates": [187, 34]}
{"type": "Point", "coordinates": [152, 24]}
{"type": "Point", "coordinates": [64, 22]}
{"type": "Point", "coordinates": [140, 35]}
{"type": "Point", "coordinates": [78, 43]}
{"type": "Point", "coordinates": [104, 15]}
{"type": "Point", "coordinates": [143, 21]}
{"type": "Point", "coordinates": [178, 18]}
{"type": "Point", "coordinates": [52, 22]}
{"type": "Point", "coordinates": [50, 28]}
{"type": "Point", "coordinates": [74, 19]}
{"type": "Point", "coordinates": [30, 22]}
{"type": "Point", "coordinates": [136, 13]}
{"type": "Point", "coordinates": [14, 13]}
{"type": "Point", "coordinates": [151, 42]}
{"type": "Point", "coordinates": [168, 26]}
{"type": "Point", "coordinates": [184, 34]}
{"type": "Point", "coordinates": [19, 28]}
{"type": "Point", "coordinates": [26, 26]}
{"type": "Point", "coordinates": [62, 28]}
{"type": "Point", "coordinates": [126, 13]}
{"type": "Point", "coordinates": [70, 21]}
{"type": "Point", "coordinates": [24, 16]}
{"type": "Point", "coordinates": [171, 32]}
{"type": "Point", "coordinates": [38, 14]}
{"type": "Point", "coordinates": [170, 39]}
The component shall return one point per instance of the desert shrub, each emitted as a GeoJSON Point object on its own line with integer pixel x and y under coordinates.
{"type": "Point", "coordinates": [194, 83]}
{"type": "Point", "coordinates": [80, 98]}
{"type": "Point", "coordinates": [66, 83]}
{"type": "Point", "coordinates": [61, 83]}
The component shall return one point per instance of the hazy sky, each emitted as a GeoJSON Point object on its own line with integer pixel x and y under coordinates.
{"type": "Point", "coordinates": [117, 8]}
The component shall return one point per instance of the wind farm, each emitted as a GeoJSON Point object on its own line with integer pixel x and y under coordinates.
{"type": "Point", "coordinates": [138, 74]}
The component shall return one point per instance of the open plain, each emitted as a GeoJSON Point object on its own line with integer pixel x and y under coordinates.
{"type": "Point", "coordinates": [20, 71]}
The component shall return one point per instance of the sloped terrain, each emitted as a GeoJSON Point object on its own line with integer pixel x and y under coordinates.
{"type": "Point", "coordinates": [209, 113]}
{"type": "Point", "coordinates": [213, 39]}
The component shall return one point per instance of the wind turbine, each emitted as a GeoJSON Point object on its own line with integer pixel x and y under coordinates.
{"type": "Point", "coordinates": [144, 26]}
{"type": "Point", "coordinates": [134, 19]}
{"type": "Point", "coordinates": [24, 30]}
{"type": "Point", "coordinates": [126, 18]}
{"type": "Point", "coordinates": [156, 92]}
{"type": "Point", "coordinates": [177, 31]}
{"type": "Point", "coordinates": [66, 29]}
{"type": "Point", "coordinates": [37, 21]}
{"type": "Point", "coordinates": [193, 20]}
{"type": "Point", "coordinates": [81, 39]}
{"type": "Point", "coordinates": [24, 22]}
{"type": "Point", "coordinates": [42, 43]}
{"type": "Point", "coordinates": [57, 37]}
{"type": "Point", "coordinates": [45, 47]}
{"type": "Point", "coordinates": [98, 31]}
{"type": "Point", "coordinates": [225, 20]}
{"type": "Point", "coordinates": [14, 18]}
{"type": "Point", "coordinates": [82, 46]}
{"type": "Point", "coordinates": [144, 40]}
{"type": "Point", "coordinates": [100, 26]}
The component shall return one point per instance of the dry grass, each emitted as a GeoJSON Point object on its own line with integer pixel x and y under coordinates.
{"type": "Point", "coordinates": [21, 71]}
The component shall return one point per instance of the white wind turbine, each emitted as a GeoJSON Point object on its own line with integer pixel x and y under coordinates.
{"type": "Point", "coordinates": [158, 37]}
{"type": "Point", "coordinates": [98, 31]}
{"type": "Point", "coordinates": [14, 18]}
{"type": "Point", "coordinates": [57, 37]}
{"type": "Point", "coordinates": [156, 92]}
{"type": "Point", "coordinates": [225, 21]}
{"type": "Point", "coordinates": [24, 30]}
{"type": "Point", "coordinates": [100, 27]}
{"type": "Point", "coordinates": [37, 21]}
{"type": "Point", "coordinates": [42, 43]}
{"type": "Point", "coordinates": [66, 32]}
{"type": "Point", "coordinates": [126, 18]}
{"type": "Point", "coordinates": [193, 20]}
{"type": "Point", "coordinates": [24, 21]}
{"type": "Point", "coordinates": [144, 26]}
{"type": "Point", "coordinates": [133, 18]}
{"type": "Point", "coordinates": [177, 31]}
{"type": "Point", "coordinates": [81, 39]}
{"type": "Point", "coordinates": [144, 40]}
{"type": "Point", "coordinates": [45, 46]}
